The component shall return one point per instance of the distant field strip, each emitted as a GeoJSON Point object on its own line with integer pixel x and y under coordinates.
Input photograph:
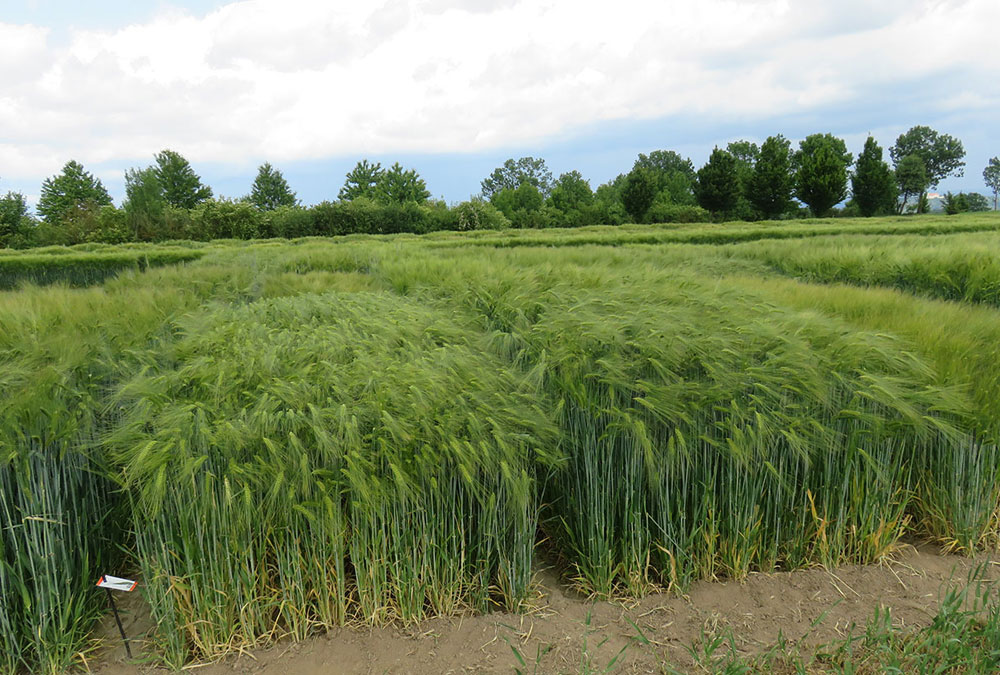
{"type": "Point", "coordinates": [949, 267]}
{"type": "Point", "coordinates": [83, 268]}
{"type": "Point", "coordinates": [728, 233]}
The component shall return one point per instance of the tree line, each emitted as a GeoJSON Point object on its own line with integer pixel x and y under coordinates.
{"type": "Point", "coordinates": [743, 181]}
{"type": "Point", "coordinates": [763, 182]}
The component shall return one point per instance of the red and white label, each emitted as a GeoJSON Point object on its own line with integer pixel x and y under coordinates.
{"type": "Point", "coordinates": [116, 583]}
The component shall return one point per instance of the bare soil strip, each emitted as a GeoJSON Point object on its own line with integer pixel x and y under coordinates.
{"type": "Point", "coordinates": [564, 630]}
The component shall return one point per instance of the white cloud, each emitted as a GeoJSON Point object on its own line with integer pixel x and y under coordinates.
{"type": "Point", "coordinates": [22, 52]}
{"type": "Point", "coordinates": [292, 79]}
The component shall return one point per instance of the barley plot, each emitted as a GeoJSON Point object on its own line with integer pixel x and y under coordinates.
{"type": "Point", "coordinates": [53, 518]}
{"type": "Point", "coordinates": [709, 436]}
{"type": "Point", "coordinates": [306, 437]}
{"type": "Point", "coordinates": [284, 437]}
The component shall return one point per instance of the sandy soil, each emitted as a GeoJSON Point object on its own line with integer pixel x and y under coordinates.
{"type": "Point", "coordinates": [558, 635]}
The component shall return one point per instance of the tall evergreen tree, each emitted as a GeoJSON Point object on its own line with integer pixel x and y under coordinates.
{"type": "Point", "coordinates": [397, 186]}
{"type": "Point", "coordinates": [70, 191]}
{"type": "Point", "coordinates": [872, 184]}
{"type": "Point", "coordinates": [270, 189]}
{"type": "Point", "coordinates": [718, 183]}
{"type": "Point", "coordinates": [182, 187]}
{"type": "Point", "coordinates": [361, 181]}
{"type": "Point", "coordinates": [771, 183]}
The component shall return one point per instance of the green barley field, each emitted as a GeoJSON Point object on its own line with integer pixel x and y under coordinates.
{"type": "Point", "coordinates": [278, 437]}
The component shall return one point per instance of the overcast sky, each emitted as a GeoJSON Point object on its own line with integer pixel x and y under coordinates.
{"type": "Point", "coordinates": [454, 87]}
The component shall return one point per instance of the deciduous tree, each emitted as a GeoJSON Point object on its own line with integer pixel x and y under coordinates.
{"type": "Point", "coordinates": [524, 198]}
{"type": "Point", "coordinates": [717, 186]}
{"type": "Point", "coordinates": [991, 174]}
{"type": "Point", "coordinates": [522, 205]}
{"type": "Point", "coordinates": [942, 155]}
{"type": "Point", "coordinates": [911, 178]}
{"type": "Point", "coordinates": [745, 153]}
{"type": "Point", "coordinates": [771, 184]}
{"type": "Point", "coordinates": [399, 186]}
{"type": "Point", "coordinates": [638, 192]}
{"type": "Point", "coordinates": [571, 192]}
{"type": "Point", "coordinates": [181, 186]}
{"type": "Point", "coordinates": [14, 217]}
{"type": "Point", "coordinates": [673, 174]}
{"type": "Point", "coordinates": [144, 203]}
{"type": "Point", "coordinates": [514, 173]}
{"type": "Point", "coordinates": [821, 172]}
{"type": "Point", "coordinates": [665, 161]}
{"type": "Point", "coordinates": [608, 206]}
{"type": "Point", "coordinates": [975, 201]}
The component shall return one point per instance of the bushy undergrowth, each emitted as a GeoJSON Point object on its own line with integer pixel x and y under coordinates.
{"type": "Point", "coordinates": [295, 434]}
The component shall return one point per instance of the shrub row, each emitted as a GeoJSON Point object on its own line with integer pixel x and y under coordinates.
{"type": "Point", "coordinates": [226, 219]}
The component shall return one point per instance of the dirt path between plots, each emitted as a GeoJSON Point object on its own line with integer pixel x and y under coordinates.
{"type": "Point", "coordinates": [564, 629]}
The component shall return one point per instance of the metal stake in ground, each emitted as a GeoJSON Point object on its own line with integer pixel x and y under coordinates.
{"type": "Point", "coordinates": [109, 583]}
